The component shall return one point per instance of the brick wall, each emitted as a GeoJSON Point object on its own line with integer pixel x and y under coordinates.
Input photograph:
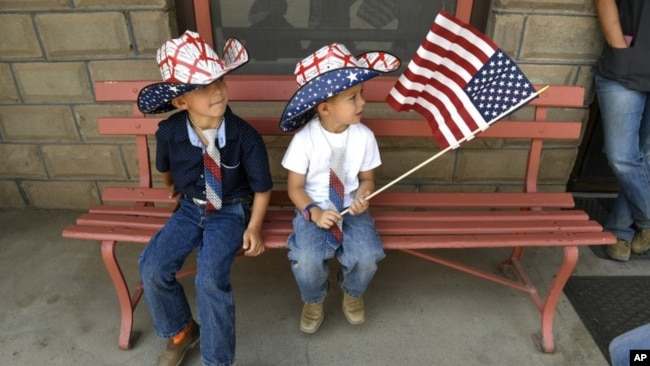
{"type": "Point", "coordinates": [52, 51]}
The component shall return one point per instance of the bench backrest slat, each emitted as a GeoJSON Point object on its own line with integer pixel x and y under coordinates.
{"type": "Point", "coordinates": [381, 128]}
{"type": "Point", "coordinates": [269, 88]}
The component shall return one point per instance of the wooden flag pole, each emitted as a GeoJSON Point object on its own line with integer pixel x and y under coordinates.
{"type": "Point", "coordinates": [464, 139]}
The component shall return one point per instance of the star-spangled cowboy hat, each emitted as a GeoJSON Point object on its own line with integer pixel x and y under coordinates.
{"type": "Point", "coordinates": [186, 64]}
{"type": "Point", "coordinates": [327, 72]}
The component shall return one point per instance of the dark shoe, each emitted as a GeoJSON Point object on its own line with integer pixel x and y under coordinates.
{"type": "Point", "coordinates": [619, 251]}
{"type": "Point", "coordinates": [641, 242]}
{"type": "Point", "coordinates": [174, 353]}
{"type": "Point", "coordinates": [354, 309]}
{"type": "Point", "coordinates": [312, 317]}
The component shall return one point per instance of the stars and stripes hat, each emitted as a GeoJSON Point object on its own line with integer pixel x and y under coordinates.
{"type": "Point", "coordinates": [327, 72]}
{"type": "Point", "coordinates": [186, 64]}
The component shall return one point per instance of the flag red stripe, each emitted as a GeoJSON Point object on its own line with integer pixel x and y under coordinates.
{"type": "Point", "coordinates": [435, 131]}
{"type": "Point", "coordinates": [473, 31]}
{"type": "Point", "coordinates": [449, 57]}
{"type": "Point", "coordinates": [469, 45]}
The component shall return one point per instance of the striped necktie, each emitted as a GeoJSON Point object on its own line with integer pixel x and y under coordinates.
{"type": "Point", "coordinates": [336, 192]}
{"type": "Point", "coordinates": [212, 164]}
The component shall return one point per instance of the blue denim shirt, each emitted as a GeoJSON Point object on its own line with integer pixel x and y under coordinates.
{"type": "Point", "coordinates": [244, 160]}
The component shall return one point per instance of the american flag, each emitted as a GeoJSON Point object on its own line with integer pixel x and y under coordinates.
{"type": "Point", "coordinates": [460, 81]}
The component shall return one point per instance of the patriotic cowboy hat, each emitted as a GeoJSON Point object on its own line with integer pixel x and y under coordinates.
{"type": "Point", "coordinates": [186, 64]}
{"type": "Point", "coordinates": [327, 72]}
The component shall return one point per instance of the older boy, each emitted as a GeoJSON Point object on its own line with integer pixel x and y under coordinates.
{"type": "Point", "coordinates": [217, 166]}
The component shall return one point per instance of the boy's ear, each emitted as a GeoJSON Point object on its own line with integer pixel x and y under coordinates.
{"type": "Point", "coordinates": [179, 102]}
{"type": "Point", "coordinates": [322, 108]}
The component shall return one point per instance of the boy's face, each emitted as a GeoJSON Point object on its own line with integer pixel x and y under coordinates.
{"type": "Point", "coordinates": [346, 107]}
{"type": "Point", "coordinates": [206, 102]}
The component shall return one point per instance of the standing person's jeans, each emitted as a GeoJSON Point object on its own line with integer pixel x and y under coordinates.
{"type": "Point", "coordinates": [359, 254]}
{"type": "Point", "coordinates": [218, 236]}
{"type": "Point", "coordinates": [626, 127]}
{"type": "Point", "coordinates": [619, 347]}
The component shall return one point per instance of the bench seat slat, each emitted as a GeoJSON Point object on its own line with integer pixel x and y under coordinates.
{"type": "Point", "coordinates": [143, 222]}
{"type": "Point", "coordinates": [156, 216]}
{"type": "Point", "coordinates": [457, 200]}
{"type": "Point", "coordinates": [482, 199]}
{"type": "Point", "coordinates": [401, 242]}
{"type": "Point", "coordinates": [385, 227]}
{"type": "Point", "coordinates": [135, 194]}
{"type": "Point", "coordinates": [443, 216]}
{"type": "Point", "coordinates": [102, 233]}
{"type": "Point", "coordinates": [132, 210]}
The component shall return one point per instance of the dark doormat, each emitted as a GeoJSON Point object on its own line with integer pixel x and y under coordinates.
{"type": "Point", "coordinates": [609, 306]}
{"type": "Point", "coordinates": [598, 208]}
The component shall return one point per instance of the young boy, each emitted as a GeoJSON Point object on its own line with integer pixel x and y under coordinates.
{"type": "Point", "coordinates": [217, 166]}
{"type": "Point", "coordinates": [330, 163]}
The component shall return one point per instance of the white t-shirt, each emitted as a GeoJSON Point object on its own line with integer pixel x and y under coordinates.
{"type": "Point", "coordinates": [309, 153]}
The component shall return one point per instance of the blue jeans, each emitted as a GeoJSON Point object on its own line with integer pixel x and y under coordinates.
{"type": "Point", "coordinates": [626, 126]}
{"type": "Point", "coordinates": [359, 254]}
{"type": "Point", "coordinates": [217, 236]}
{"type": "Point", "coordinates": [619, 347]}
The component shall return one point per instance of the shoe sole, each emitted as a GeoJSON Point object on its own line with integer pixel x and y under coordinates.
{"type": "Point", "coordinates": [620, 259]}
{"type": "Point", "coordinates": [355, 322]}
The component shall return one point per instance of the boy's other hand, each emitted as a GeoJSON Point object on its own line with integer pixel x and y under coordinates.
{"type": "Point", "coordinates": [176, 196]}
{"type": "Point", "coordinates": [253, 244]}
{"type": "Point", "coordinates": [325, 219]}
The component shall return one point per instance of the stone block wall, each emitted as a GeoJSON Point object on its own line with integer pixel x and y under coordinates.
{"type": "Point", "coordinates": [52, 51]}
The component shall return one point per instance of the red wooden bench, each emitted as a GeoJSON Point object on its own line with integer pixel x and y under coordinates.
{"type": "Point", "coordinates": [413, 222]}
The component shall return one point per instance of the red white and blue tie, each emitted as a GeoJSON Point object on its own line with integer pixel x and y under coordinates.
{"type": "Point", "coordinates": [212, 163]}
{"type": "Point", "coordinates": [336, 194]}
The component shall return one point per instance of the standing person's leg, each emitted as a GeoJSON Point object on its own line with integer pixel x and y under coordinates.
{"type": "Point", "coordinates": [641, 242]}
{"type": "Point", "coordinates": [622, 111]}
{"type": "Point", "coordinates": [165, 297]}
{"type": "Point", "coordinates": [619, 347]}
{"type": "Point", "coordinates": [362, 249]}
{"type": "Point", "coordinates": [308, 254]}
{"type": "Point", "coordinates": [215, 305]}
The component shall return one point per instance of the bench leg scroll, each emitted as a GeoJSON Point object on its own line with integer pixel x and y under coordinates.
{"type": "Point", "coordinates": [128, 301]}
{"type": "Point", "coordinates": [546, 342]}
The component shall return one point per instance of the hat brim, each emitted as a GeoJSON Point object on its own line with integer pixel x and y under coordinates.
{"type": "Point", "coordinates": [300, 108]}
{"type": "Point", "coordinates": [165, 93]}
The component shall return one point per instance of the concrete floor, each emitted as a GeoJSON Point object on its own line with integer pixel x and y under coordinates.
{"type": "Point", "coordinates": [58, 307]}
